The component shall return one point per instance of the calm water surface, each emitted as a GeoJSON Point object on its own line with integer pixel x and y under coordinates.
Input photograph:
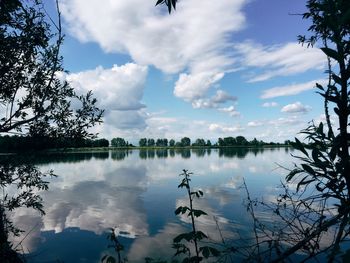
{"type": "Point", "coordinates": [136, 192]}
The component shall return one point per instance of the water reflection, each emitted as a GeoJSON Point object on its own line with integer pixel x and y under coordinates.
{"type": "Point", "coordinates": [137, 192]}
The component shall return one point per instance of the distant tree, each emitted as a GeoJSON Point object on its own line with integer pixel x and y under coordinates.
{"type": "Point", "coordinates": [185, 141]}
{"type": "Point", "coordinates": [241, 140]}
{"type": "Point", "coordinates": [287, 142]}
{"type": "Point", "coordinates": [119, 142]}
{"type": "Point", "coordinates": [229, 141]}
{"type": "Point", "coordinates": [172, 143]}
{"type": "Point", "coordinates": [254, 142]}
{"type": "Point", "coordinates": [199, 142]}
{"type": "Point", "coordinates": [150, 142]}
{"type": "Point", "coordinates": [162, 142]}
{"type": "Point", "coordinates": [221, 142]}
{"type": "Point", "coordinates": [178, 144]}
{"type": "Point", "coordinates": [100, 143]}
{"type": "Point", "coordinates": [143, 142]}
{"type": "Point", "coordinates": [208, 143]}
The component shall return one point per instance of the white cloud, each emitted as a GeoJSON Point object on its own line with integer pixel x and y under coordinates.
{"type": "Point", "coordinates": [231, 111]}
{"type": "Point", "coordinates": [292, 89]}
{"type": "Point", "coordinates": [278, 60]}
{"type": "Point", "coordinates": [191, 87]}
{"type": "Point", "coordinates": [290, 121]}
{"type": "Point", "coordinates": [119, 90]}
{"type": "Point", "coordinates": [151, 36]}
{"type": "Point", "coordinates": [296, 107]}
{"type": "Point", "coordinates": [221, 97]}
{"type": "Point", "coordinates": [269, 104]}
{"type": "Point", "coordinates": [192, 40]}
{"type": "Point", "coordinates": [215, 127]}
{"type": "Point", "coordinates": [255, 124]}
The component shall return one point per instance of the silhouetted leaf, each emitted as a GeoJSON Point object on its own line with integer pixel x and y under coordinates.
{"type": "Point", "coordinates": [198, 213]}
{"type": "Point", "coordinates": [336, 79]}
{"type": "Point", "coordinates": [299, 146]}
{"type": "Point", "coordinates": [319, 86]}
{"type": "Point", "coordinates": [186, 236]}
{"type": "Point", "coordinates": [111, 259]}
{"type": "Point", "coordinates": [304, 181]}
{"type": "Point", "coordinates": [331, 53]}
{"type": "Point", "coordinates": [308, 169]}
{"type": "Point", "coordinates": [293, 173]}
{"type": "Point", "coordinates": [214, 251]}
{"type": "Point", "coordinates": [205, 251]}
{"type": "Point", "coordinates": [159, 2]}
{"type": "Point", "coordinates": [199, 235]}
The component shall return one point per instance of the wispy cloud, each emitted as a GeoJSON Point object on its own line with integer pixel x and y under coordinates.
{"type": "Point", "coordinates": [255, 124]}
{"type": "Point", "coordinates": [215, 127]}
{"type": "Point", "coordinates": [292, 89]}
{"type": "Point", "coordinates": [269, 104]}
{"type": "Point", "coordinates": [231, 111]}
{"type": "Point", "coordinates": [279, 60]}
{"type": "Point", "coordinates": [296, 107]}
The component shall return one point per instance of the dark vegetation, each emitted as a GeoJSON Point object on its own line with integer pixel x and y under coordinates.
{"type": "Point", "coordinates": [16, 143]}
{"type": "Point", "coordinates": [34, 103]}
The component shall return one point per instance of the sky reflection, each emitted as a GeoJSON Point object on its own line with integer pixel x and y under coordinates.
{"type": "Point", "coordinates": [137, 193]}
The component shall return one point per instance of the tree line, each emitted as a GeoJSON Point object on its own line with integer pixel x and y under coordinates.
{"type": "Point", "coordinates": [200, 142]}
{"type": "Point", "coordinates": [26, 143]}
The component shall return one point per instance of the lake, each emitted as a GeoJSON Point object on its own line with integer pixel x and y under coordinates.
{"type": "Point", "coordinates": [136, 193]}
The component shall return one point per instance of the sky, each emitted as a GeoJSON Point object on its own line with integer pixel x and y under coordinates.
{"type": "Point", "coordinates": [210, 69]}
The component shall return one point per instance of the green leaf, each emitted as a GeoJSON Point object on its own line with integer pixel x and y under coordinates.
{"type": "Point", "coordinates": [319, 86]}
{"type": "Point", "coordinates": [104, 257]}
{"type": "Point", "coordinates": [198, 213]}
{"type": "Point", "coordinates": [293, 173]}
{"type": "Point", "coordinates": [337, 79]}
{"type": "Point", "coordinates": [320, 128]}
{"type": "Point", "coordinates": [304, 181]}
{"type": "Point", "coordinates": [159, 2]}
{"type": "Point", "coordinates": [205, 251]}
{"type": "Point", "coordinates": [299, 146]}
{"type": "Point", "coordinates": [333, 153]}
{"type": "Point", "coordinates": [111, 259]}
{"type": "Point", "coordinates": [181, 209]}
{"type": "Point", "coordinates": [308, 169]}
{"type": "Point", "coordinates": [186, 236]}
{"type": "Point", "coordinates": [199, 235]}
{"type": "Point", "coordinates": [214, 251]}
{"type": "Point", "coordinates": [331, 53]}
{"type": "Point", "coordinates": [178, 210]}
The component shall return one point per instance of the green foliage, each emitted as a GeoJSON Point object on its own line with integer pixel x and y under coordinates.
{"type": "Point", "coordinates": [150, 142]}
{"type": "Point", "coordinates": [172, 143]}
{"type": "Point", "coordinates": [143, 142]}
{"type": "Point", "coordinates": [119, 142]}
{"type": "Point", "coordinates": [162, 142]}
{"type": "Point", "coordinates": [38, 102]}
{"type": "Point", "coordinates": [185, 142]}
{"type": "Point", "coordinates": [194, 236]}
{"type": "Point", "coordinates": [118, 248]}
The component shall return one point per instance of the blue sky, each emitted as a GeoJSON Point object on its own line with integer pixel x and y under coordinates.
{"type": "Point", "coordinates": [211, 69]}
